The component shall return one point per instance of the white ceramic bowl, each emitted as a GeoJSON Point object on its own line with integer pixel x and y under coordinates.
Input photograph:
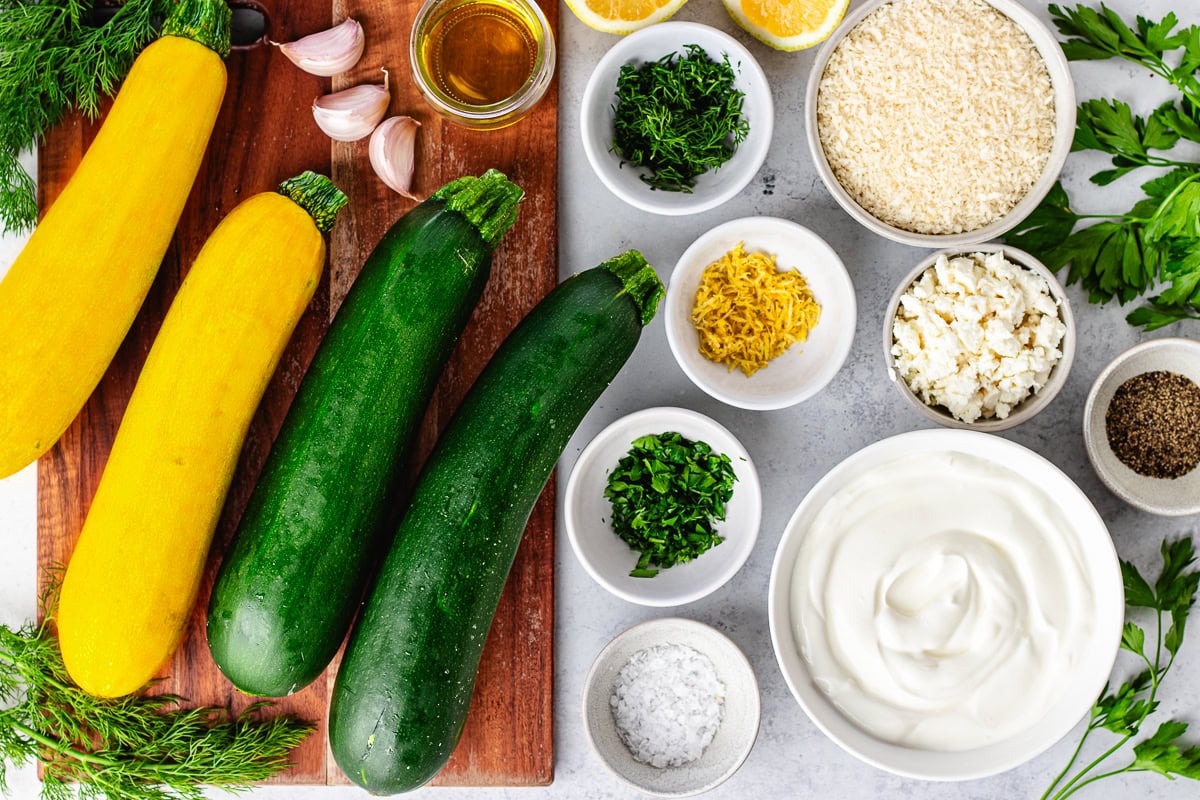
{"type": "Point", "coordinates": [734, 738]}
{"type": "Point", "coordinates": [804, 368]}
{"type": "Point", "coordinates": [1064, 103]}
{"type": "Point", "coordinates": [608, 559]}
{"type": "Point", "coordinates": [1168, 497]}
{"type": "Point", "coordinates": [1088, 678]}
{"type": "Point", "coordinates": [1028, 407]}
{"type": "Point", "coordinates": [713, 187]}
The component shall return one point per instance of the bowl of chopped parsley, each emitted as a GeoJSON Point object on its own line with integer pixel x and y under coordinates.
{"type": "Point", "coordinates": [663, 506]}
{"type": "Point", "coordinates": [676, 118]}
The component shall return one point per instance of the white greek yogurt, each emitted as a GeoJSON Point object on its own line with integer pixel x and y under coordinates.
{"type": "Point", "coordinates": [941, 601]}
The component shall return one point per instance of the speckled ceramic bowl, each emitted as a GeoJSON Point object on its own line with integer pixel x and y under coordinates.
{"type": "Point", "coordinates": [1064, 101]}
{"type": "Point", "coordinates": [1028, 407]}
{"type": "Point", "coordinates": [1168, 497]}
{"type": "Point", "coordinates": [733, 740]}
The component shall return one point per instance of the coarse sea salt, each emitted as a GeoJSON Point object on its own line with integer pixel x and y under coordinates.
{"type": "Point", "coordinates": [667, 704]}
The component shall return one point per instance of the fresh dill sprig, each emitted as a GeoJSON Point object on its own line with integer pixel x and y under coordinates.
{"type": "Point", "coordinates": [678, 117]}
{"type": "Point", "coordinates": [52, 59]}
{"type": "Point", "coordinates": [140, 747]}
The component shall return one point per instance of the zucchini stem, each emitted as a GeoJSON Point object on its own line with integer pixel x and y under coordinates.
{"type": "Point", "coordinates": [639, 281]}
{"type": "Point", "coordinates": [317, 195]}
{"type": "Point", "coordinates": [205, 21]}
{"type": "Point", "coordinates": [489, 202]}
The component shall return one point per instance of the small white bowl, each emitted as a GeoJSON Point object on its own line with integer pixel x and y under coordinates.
{"type": "Point", "coordinates": [1088, 678]}
{"type": "Point", "coordinates": [713, 187]}
{"type": "Point", "coordinates": [1167, 497]}
{"type": "Point", "coordinates": [607, 557]}
{"type": "Point", "coordinates": [730, 745]}
{"type": "Point", "coordinates": [804, 368]}
{"type": "Point", "coordinates": [1028, 407]}
{"type": "Point", "coordinates": [1064, 133]}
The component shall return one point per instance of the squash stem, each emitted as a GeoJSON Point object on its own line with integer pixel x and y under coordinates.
{"type": "Point", "coordinates": [205, 21]}
{"type": "Point", "coordinates": [317, 195]}
{"type": "Point", "coordinates": [638, 280]}
{"type": "Point", "coordinates": [489, 202]}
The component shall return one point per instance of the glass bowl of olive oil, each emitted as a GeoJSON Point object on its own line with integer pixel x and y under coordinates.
{"type": "Point", "coordinates": [482, 63]}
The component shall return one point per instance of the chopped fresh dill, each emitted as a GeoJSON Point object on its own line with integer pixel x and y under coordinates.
{"type": "Point", "coordinates": [678, 117]}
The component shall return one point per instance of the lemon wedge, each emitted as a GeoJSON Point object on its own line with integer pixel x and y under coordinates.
{"type": "Point", "coordinates": [623, 16]}
{"type": "Point", "coordinates": [787, 24]}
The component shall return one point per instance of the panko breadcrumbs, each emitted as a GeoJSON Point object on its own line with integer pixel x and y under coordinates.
{"type": "Point", "coordinates": [936, 116]}
{"type": "Point", "coordinates": [747, 311]}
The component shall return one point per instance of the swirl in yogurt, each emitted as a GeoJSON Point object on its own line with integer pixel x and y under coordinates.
{"type": "Point", "coordinates": [941, 602]}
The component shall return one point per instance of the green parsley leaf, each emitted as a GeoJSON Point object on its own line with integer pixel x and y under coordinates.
{"type": "Point", "coordinates": [1133, 638]}
{"type": "Point", "coordinates": [665, 495]}
{"type": "Point", "coordinates": [1160, 754]}
{"type": "Point", "coordinates": [1138, 593]}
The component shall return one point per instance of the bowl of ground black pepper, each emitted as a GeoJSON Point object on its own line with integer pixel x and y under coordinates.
{"type": "Point", "coordinates": [1142, 426]}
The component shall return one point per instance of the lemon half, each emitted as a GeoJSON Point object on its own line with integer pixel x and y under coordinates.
{"type": "Point", "coordinates": [787, 24]}
{"type": "Point", "coordinates": [623, 16]}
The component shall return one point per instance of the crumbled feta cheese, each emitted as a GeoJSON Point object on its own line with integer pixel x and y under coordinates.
{"type": "Point", "coordinates": [977, 334]}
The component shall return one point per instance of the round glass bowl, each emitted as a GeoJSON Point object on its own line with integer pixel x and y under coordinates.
{"type": "Point", "coordinates": [466, 52]}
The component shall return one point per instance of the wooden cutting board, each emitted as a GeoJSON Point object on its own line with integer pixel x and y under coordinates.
{"type": "Point", "coordinates": [265, 133]}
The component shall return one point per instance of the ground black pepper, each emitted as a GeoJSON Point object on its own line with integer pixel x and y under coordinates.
{"type": "Point", "coordinates": [1153, 424]}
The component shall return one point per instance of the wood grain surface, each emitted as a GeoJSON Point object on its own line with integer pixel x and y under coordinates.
{"type": "Point", "coordinates": [265, 133]}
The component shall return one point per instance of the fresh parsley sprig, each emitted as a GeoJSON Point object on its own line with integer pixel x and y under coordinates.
{"type": "Point", "coordinates": [54, 57]}
{"type": "Point", "coordinates": [1126, 709]}
{"type": "Point", "coordinates": [1157, 242]}
{"type": "Point", "coordinates": [140, 747]}
{"type": "Point", "coordinates": [1094, 34]}
{"type": "Point", "coordinates": [666, 492]}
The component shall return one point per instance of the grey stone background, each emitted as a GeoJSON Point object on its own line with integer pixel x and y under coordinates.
{"type": "Point", "coordinates": [792, 448]}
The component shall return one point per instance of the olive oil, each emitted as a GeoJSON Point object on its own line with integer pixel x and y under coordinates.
{"type": "Point", "coordinates": [481, 53]}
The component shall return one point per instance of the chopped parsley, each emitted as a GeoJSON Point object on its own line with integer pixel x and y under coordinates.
{"type": "Point", "coordinates": [665, 494]}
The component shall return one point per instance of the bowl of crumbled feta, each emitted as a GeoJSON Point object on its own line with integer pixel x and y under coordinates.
{"type": "Point", "coordinates": [671, 707]}
{"type": "Point", "coordinates": [980, 339]}
{"type": "Point", "coordinates": [940, 140]}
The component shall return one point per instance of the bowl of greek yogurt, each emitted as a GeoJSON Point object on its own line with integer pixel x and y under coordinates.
{"type": "Point", "coordinates": [945, 604]}
{"type": "Point", "coordinates": [980, 338]}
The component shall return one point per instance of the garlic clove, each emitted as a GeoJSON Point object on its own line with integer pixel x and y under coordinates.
{"type": "Point", "coordinates": [392, 151]}
{"type": "Point", "coordinates": [351, 114]}
{"type": "Point", "coordinates": [328, 52]}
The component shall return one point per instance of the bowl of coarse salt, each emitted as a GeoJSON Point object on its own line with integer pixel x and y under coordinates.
{"type": "Point", "coordinates": [940, 140]}
{"type": "Point", "coordinates": [671, 707]}
{"type": "Point", "coordinates": [980, 338]}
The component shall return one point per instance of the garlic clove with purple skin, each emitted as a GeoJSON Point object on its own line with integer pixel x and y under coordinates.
{"type": "Point", "coordinates": [329, 52]}
{"type": "Point", "coordinates": [392, 151]}
{"type": "Point", "coordinates": [351, 114]}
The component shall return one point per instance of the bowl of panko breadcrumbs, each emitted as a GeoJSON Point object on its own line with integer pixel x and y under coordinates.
{"type": "Point", "coordinates": [760, 313]}
{"type": "Point", "coordinates": [940, 140]}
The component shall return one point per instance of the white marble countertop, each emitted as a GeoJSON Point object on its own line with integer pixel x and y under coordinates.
{"type": "Point", "coordinates": [792, 448]}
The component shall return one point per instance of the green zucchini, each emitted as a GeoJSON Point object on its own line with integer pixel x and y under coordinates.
{"type": "Point", "coordinates": [408, 672]}
{"type": "Point", "coordinates": [311, 534]}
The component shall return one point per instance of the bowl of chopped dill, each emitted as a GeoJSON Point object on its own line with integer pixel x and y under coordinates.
{"type": "Point", "coordinates": [760, 313]}
{"type": "Point", "coordinates": [663, 507]}
{"type": "Point", "coordinates": [676, 118]}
